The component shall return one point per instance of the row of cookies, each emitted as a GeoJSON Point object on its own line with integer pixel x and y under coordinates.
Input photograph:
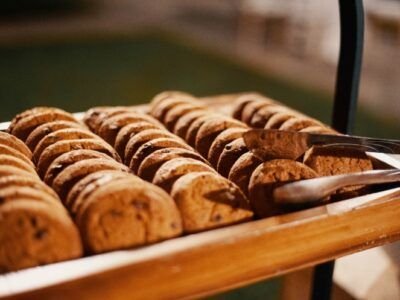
{"type": "Point", "coordinates": [258, 111]}
{"type": "Point", "coordinates": [112, 208]}
{"type": "Point", "coordinates": [204, 198]}
{"type": "Point", "coordinates": [35, 228]}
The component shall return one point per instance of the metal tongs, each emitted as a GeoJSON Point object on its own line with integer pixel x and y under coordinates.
{"type": "Point", "coordinates": [270, 144]}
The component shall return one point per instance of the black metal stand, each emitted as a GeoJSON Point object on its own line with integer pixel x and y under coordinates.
{"type": "Point", "coordinates": [345, 105]}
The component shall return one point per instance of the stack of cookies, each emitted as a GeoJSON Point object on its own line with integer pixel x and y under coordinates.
{"type": "Point", "coordinates": [112, 208]}
{"type": "Point", "coordinates": [35, 229]}
{"type": "Point", "coordinates": [204, 198]}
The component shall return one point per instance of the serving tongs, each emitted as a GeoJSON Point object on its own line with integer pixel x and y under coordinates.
{"type": "Point", "coordinates": [271, 144]}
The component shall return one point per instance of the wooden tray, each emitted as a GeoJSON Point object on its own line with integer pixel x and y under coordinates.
{"type": "Point", "coordinates": [206, 263]}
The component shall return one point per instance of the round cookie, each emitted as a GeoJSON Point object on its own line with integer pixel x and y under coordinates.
{"type": "Point", "coordinates": [61, 135]}
{"type": "Point", "coordinates": [149, 166]}
{"type": "Point", "coordinates": [230, 155]}
{"type": "Point", "coordinates": [242, 169]}
{"type": "Point", "coordinates": [182, 125]}
{"type": "Point", "coordinates": [168, 94]}
{"type": "Point", "coordinates": [8, 160]}
{"type": "Point", "coordinates": [126, 213]}
{"type": "Point", "coordinates": [297, 124]}
{"type": "Point", "coordinates": [25, 181]}
{"type": "Point", "coordinates": [159, 111]}
{"type": "Point", "coordinates": [69, 158]}
{"type": "Point", "coordinates": [242, 101]}
{"type": "Point", "coordinates": [141, 138]}
{"type": "Point", "coordinates": [87, 184]}
{"type": "Point", "coordinates": [6, 150]}
{"type": "Point", "coordinates": [154, 145]}
{"type": "Point", "coordinates": [127, 132]}
{"type": "Point", "coordinates": [59, 148]}
{"type": "Point", "coordinates": [41, 131]}
{"type": "Point", "coordinates": [95, 116]}
{"type": "Point", "coordinates": [26, 125]}
{"type": "Point", "coordinates": [176, 112]}
{"type": "Point", "coordinates": [269, 175]}
{"type": "Point", "coordinates": [194, 128]}
{"type": "Point", "coordinates": [11, 141]}
{"type": "Point", "coordinates": [319, 130]}
{"type": "Point", "coordinates": [13, 193]}
{"type": "Point", "coordinates": [251, 108]}
{"type": "Point", "coordinates": [223, 139]}
{"type": "Point", "coordinates": [66, 179]}
{"type": "Point", "coordinates": [33, 233]}
{"type": "Point", "coordinates": [10, 170]}
{"type": "Point", "coordinates": [110, 127]}
{"type": "Point", "coordinates": [278, 119]}
{"type": "Point", "coordinates": [173, 169]}
{"type": "Point", "coordinates": [25, 114]}
{"type": "Point", "coordinates": [262, 115]}
{"type": "Point", "coordinates": [210, 129]}
{"type": "Point", "coordinates": [206, 200]}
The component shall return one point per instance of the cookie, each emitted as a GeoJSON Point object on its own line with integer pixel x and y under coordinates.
{"type": "Point", "coordinates": [230, 155]}
{"type": "Point", "coordinates": [210, 129]}
{"type": "Point", "coordinates": [26, 181]}
{"type": "Point", "coordinates": [251, 108]}
{"type": "Point", "coordinates": [206, 200]}
{"type": "Point", "coordinates": [110, 127]}
{"type": "Point", "coordinates": [27, 113]}
{"type": "Point", "coordinates": [69, 158]}
{"type": "Point", "coordinates": [13, 193]}
{"type": "Point", "coordinates": [149, 147]}
{"type": "Point", "coordinates": [278, 119]}
{"type": "Point", "coordinates": [127, 132]}
{"type": "Point", "coordinates": [223, 139]}
{"type": "Point", "coordinates": [297, 124]}
{"type": "Point", "coordinates": [66, 179]}
{"type": "Point", "coordinates": [269, 175]}
{"type": "Point", "coordinates": [176, 112]}
{"type": "Point", "coordinates": [124, 214]}
{"type": "Point", "coordinates": [173, 169]}
{"type": "Point", "coordinates": [319, 130]}
{"type": "Point", "coordinates": [195, 126]}
{"type": "Point", "coordinates": [242, 169]}
{"type": "Point", "coordinates": [41, 131]}
{"type": "Point", "coordinates": [141, 138]}
{"type": "Point", "coordinates": [61, 135]}
{"type": "Point", "coordinates": [59, 148]}
{"type": "Point", "coordinates": [182, 125]}
{"type": "Point", "coordinates": [8, 160]}
{"type": "Point", "coordinates": [168, 94]}
{"type": "Point", "coordinates": [10, 170]}
{"type": "Point", "coordinates": [26, 125]}
{"type": "Point", "coordinates": [15, 143]}
{"type": "Point", "coordinates": [6, 150]}
{"type": "Point", "coordinates": [149, 166]}
{"type": "Point", "coordinates": [242, 101]}
{"type": "Point", "coordinates": [262, 115]}
{"type": "Point", "coordinates": [33, 233]}
{"type": "Point", "coordinates": [159, 111]}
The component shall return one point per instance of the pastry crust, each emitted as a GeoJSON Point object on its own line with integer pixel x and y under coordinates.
{"type": "Point", "coordinates": [206, 200]}
{"type": "Point", "coordinates": [183, 124]}
{"type": "Point", "coordinates": [268, 176]}
{"type": "Point", "coordinates": [230, 155]}
{"type": "Point", "coordinates": [173, 169]}
{"type": "Point", "coordinates": [59, 148]}
{"type": "Point", "coordinates": [223, 139]}
{"type": "Point", "coordinates": [149, 166]}
{"type": "Point", "coordinates": [15, 143]}
{"type": "Point", "coordinates": [8, 160]}
{"type": "Point", "coordinates": [33, 233]}
{"type": "Point", "coordinates": [126, 213]}
{"type": "Point", "coordinates": [242, 169]}
{"type": "Point", "coordinates": [179, 110]}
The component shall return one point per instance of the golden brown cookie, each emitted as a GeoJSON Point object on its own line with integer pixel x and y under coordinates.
{"type": "Point", "coordinates": [269, 175]}
{"type": "Point", "coordinates": [26, 125]}
{"type": "Point", "coordinates": [110, 127]}
{"type": "Point", "coordinates": [297, 124]}
{"type": "Point", "coordinates": [319, 130]}
{"type": "Point", "coordinates": [168, 94]}
{"type": "Point", "coordinates": [251, 108]}
{"type": "Point", "coordinates": [10, 170]}
{"type": "Point", "coordinates": [278, 119]}
{"type": "Point", "coordinates": [230, 155]}
{"type": "Point", "coordinates": [149, 166]}
{"type": "Point", "coordinates": [242, 169]}
{"type": "Point", "coordinates": [11, 141]}
{"type": "Point", "coordinates": [33, 233]}
{"type": "Point", "coordinates": [207, 200]}
{"type": "Point", "coordinates": [61, 135]}
{"type": "Point", "coordinates": [87, 185]}
{"type": "Point", "coordinates": [176, 112]}
{"type": "Point", "coordinates": [141, 138]}
{"type": "Point", "coordinates": [223, 139]}
{"type": "Point", "coordinates": [183, 124]}
{"type": "Point", "coordinates": [59, 148]}
{"type": "Point", "coordinates": [126, 213]}
{"type": "Point", "coordinates": [26, 181]}
{"type": "Point", "coordinates": [6, 150]}
{"type": "Point", "coordinates": [172, 170]}
{"type": "Point", "coordinates": [154, 145]}
{"type": "Point", "coordinates": [210, 129]}
{"type": "Point", "coordinates": [160, 110]}
{"type": "Point", "coordinates": [8, 160]}
{"type": "Point", "coordinates": [195, 126]}
{"type": "Point", "coordinates": [45, 129]}
{"type": "Point", "coordinates": [127, 132]}
{"type": "Point", "coordinates": [66, 179]}
{"type": "Point", "coordinates": [242, 101]}
{"type": "Point", "coordinates": [262, 115]}
{"type": "Point", "coordinates": [15, 192]}
{"type": "Point", "coordinates": [69, 158]}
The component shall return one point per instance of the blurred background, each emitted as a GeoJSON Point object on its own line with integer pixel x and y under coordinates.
{"type": "Point", "coordinates": [75, 54]}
